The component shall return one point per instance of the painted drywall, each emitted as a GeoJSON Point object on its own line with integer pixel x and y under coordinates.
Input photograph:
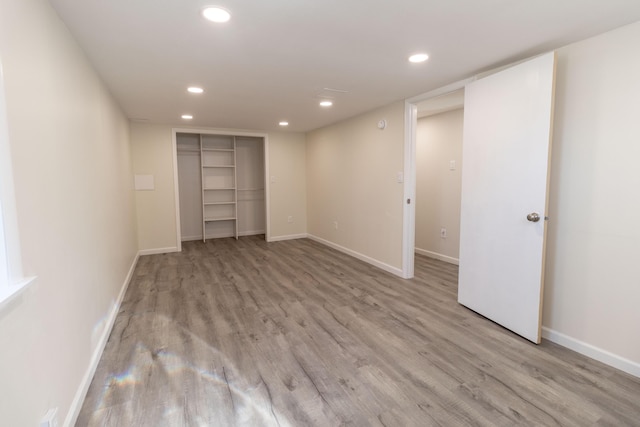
{"type": "Point", "coordinates": [592, 270]}
{"type": "Point", "coordinates": [250, 184]}
{"type": "Point", "coordinates": [74, 199]}
{"type": "Point", "coordinates": [438, 143]}
{"type": "Point", "coordinates": [352, 169]}
{"type": "Point", "coordinates": [152, 153]}
{"type": "Point", "coordinates": [190, 186]}
{"type": "Point", "coordinates": [287, 180]}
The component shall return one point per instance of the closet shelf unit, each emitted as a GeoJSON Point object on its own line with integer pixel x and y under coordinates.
{"type": "Point", "coordinates": [219, 191]}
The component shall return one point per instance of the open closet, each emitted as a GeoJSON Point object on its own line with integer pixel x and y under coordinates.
{"type": "Point", "coordinates": [220, 185]}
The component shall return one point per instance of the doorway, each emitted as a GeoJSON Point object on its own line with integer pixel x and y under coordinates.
{"type": "Point", "coordinates": [440, 100]}
{"type": "Point", "coordinates": [507, 139]}
{"type": "Point", "coordinates": [438, 176]}
{"type": "Point", "coordinates": [221, 189]}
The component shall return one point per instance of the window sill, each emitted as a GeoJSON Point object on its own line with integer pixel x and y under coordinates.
{"type": "Point", "coordinates": [9, 293]}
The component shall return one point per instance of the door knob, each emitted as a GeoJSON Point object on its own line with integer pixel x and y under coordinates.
{"type": "Point", "coordinates": [533, 217]}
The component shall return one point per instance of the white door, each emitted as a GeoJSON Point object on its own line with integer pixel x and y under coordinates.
{"type": "Point", "coordinates": [505, 176]}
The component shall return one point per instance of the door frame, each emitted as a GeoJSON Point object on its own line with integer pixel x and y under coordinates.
{"type": "Point", "coordinates": [176, 191]}
{"type": "Point", "coordinates": [410, 125]}
{"type": "Point", "coordinates": [409, 209]}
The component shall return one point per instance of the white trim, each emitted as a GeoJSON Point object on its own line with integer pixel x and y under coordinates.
{"type": "Point", "coordinates": [4, 262]}
{"type": "Point", "coordinates": [251, 233]}
{"type": "Point", "coordinates": [287, 237]}
{"type": "Point", "coordinates": [214, 131]}
{"type": "Point", "coordinates": [409, 210]}
{"type": "Point", "coordinates": [240, 234]}
{"type": "Point", "coordinates": [441, 91]}
{"type": "Point", "coordinates": [386, 267]}
{"type": "Point", "coordinates": [10, 292]}
{"type": "Point", "coordinates": [267, 189]}
{"type": "Point", "coordinates": [592, 351]}
{"type": "Point", "coordinates": [208, 131]}
{"type": "Point", "coordinates": [221, 235]}
{"type": "Point", "coordinates": [155, 251]}
{"type": "Point", "coordinates": [436, 255]}
{"type": "Point", "coordinates": [12, 280]}
{"type": "Point", "coordinates": [409, 190]}
{"type": "Point", "coordinates": [78, 400]}
{"type": "Point", "coordinates": [176, 188]}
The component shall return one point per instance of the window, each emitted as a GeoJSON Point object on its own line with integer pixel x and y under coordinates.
{"type": "Point", "coordinates": [4, 268]}
{"type": "Point", "coordinates": [12, 281]}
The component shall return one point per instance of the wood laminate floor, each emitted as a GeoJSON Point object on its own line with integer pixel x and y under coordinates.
{"type": "Point", "coordinates": [245, 333]}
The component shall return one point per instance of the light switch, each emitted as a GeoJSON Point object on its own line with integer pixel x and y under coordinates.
{"type": "Point", "coordinates": [452, 165]}
{"type": "Point", "coordinates": [400, 177]}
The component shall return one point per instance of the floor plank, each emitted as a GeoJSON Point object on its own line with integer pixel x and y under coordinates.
{"type": "Point", "coordinates": [249, 333]}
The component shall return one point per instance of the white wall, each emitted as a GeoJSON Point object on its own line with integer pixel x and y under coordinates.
{"type": "Point", "coordinates": [352, 171]}
{"type": "Point", "coordinates": [438, 142]}
{"type": "Point", "coordinates": [73, 184]}
{"type": "Point", "coordinates": [152, 154]}
{"type": "Point", "coordinates": [592, 278]}
{"type": "Point", "coordinates": [190, 186]}
{"type": "Point", "coordinates": [593, 247]}
{"type": "Point", "coordinates": [250, 186]}
{"type": "Point", "coordinates": [288, 181]}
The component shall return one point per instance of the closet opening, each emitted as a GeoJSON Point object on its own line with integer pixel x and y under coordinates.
{"type": "Point", "coordinates": [220, 184]}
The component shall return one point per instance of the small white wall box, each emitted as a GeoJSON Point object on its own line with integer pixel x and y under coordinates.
{"type": "Point", "coordinates": [144, 182]}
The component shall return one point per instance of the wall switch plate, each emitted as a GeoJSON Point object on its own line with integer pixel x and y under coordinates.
{"type": "Point", "coordinates": [290, 219]}
{"type": "Point", "coordinates": [452, 165]}
{"type": "Point", "coordinates": [335, 224]}
{"type": "Point", "coordinates": [400, 177]}
{"type": "Point", "coordinates": [443, 233]}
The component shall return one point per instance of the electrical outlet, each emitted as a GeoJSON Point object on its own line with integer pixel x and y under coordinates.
{"type": "Point", "coordinates": [443, 233]}
{"type": "Point", "coordinates": [335, 224]}
{"type": "Point", "coordinates": [290, 219]}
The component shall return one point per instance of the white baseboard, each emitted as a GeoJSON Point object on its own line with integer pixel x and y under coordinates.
{"type": "Point", "coordinates": [287, 237]}
{"type": "Point", "coordinates": [220, 235]}
{"type": "Point", "coordinates": [436, 255]}
{"type": "Point", "coordinates": [592, 351]}
{"type": "Point", "coordinates": [240, 234]}
{"type": "Point", "coordinates": [250, 233]}
{"type": "Point", "coordinates": [386, 267]}
{"type": "Point", "coordinates": [78, 400]}
{"type": "Point", "coordinates": [158, 251]}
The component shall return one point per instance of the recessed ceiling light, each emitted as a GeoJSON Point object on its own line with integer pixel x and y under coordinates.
{"type": "Point", "coordinates": [326, 103]}
{"type": "Point", "coordinates": [418, 57]}
{"type": "Point", "coordinates": [284, 123]}
{"type": "Point", "coordinates": [216, 14]}
{"type": "Point", "coordinates": [194, 89]}
{"type": "Point", "coordinates": [187, 116]}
